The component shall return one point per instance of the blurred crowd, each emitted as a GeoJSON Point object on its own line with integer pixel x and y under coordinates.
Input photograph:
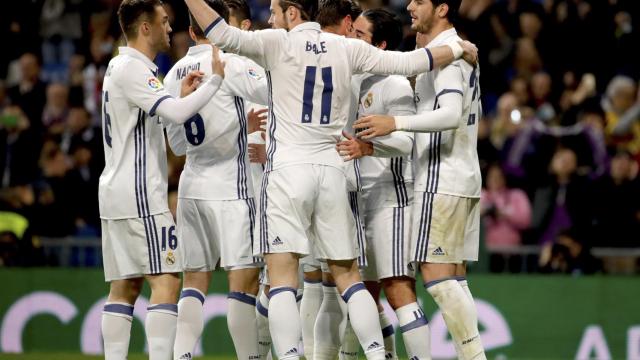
{"type": "Point", "coordinates": [559, 143]}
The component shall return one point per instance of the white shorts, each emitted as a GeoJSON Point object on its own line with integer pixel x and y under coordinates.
{"type": "Point", "coordinates": [446, 228]}
{"type": "Point", "coordinates": [304, 206]}
{"type": "Point", "coordinates": [388, 236]}
{"type": "Point", "coordinates": [132, 248]}
{"type": "Point", "coordinates": [215, 231]}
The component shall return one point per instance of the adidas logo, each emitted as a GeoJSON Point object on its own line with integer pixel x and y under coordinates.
{"type": "Point", "coordinates": [438, 251]}
{"type": "Point", "coordinates": [374, 345]}
{"type": "Point", "coordinates": [186, 356]}
{"type": "Point", "coordinates": [414, 358]}
{"type": "Point", "coordinates": [277, 241]}
{"type": "Point", "coordinates": [293, 351]}
{"type": "Point", "coordinates": [388, 355]}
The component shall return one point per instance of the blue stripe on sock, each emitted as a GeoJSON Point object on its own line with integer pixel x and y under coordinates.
{"type": "Point", "coordinates": [436, 282]}
{"type": "Point", "coordinates": [388, 331]}
{"type": "Point", "coordinates": [312, 281]}
{"type": "Point", "coordinates": [278, 290]}
{"type": "Point", "coordinates": [298, 297]}
{"type": "Point", "coordinates": [119, 309]}
{"type": "Point", "coordinates": [242, 297]}
{"type": "Point", "coordinates": [352, 290]}
{"type": "Point", "coordinates": [192, 293]}
{"type": "Point", "coordinates": [166, 307]}
{"type": "Point", "coordinates": [421, 321]}
{"type": "Point", "coordinates": [262, 310]}
{"type": "Point", "coordinates": [460, 278]}
{"type": "Point", "coordinates": [328, 284]}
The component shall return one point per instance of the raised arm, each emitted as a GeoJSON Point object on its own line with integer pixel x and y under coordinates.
{"type": "Point", "coordinates": [367, 58]}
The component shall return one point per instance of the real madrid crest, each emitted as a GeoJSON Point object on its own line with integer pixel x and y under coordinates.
{"type": "Point", "coordinates": [369, 100]}
{"type": "Point", "coordinates": [171, 259]}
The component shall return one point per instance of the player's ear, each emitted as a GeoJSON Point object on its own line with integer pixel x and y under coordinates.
{"type": "Point", "coordinates": [192, 35]}
{"type": "Point", "coordinates": [443, 9]}
{"type": "Point", "coordinates": [383, 45]}
{"type": "Point", "coordinates": [245, 24]}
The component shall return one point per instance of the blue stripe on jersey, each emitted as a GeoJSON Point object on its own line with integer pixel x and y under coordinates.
{"type": "Point", "coordinates": [398, 182]}
{"type": "Point", "coordinates": [157, 242]}
{"type": "Point", "coordinates": [136, 141]}
{"type": "Point", "coordinates": [212, 25]}
{"type": "Point", "coordinates": [448, 91]}
{"type": "Point", "coordinates": [152, 112]}
{"type": "Point", "coordinates": [430, 59]}
{"type": "Point", "coordinates": [438, 146]}
{"type": "Point", "coordinates": [327, 91]}
{"type": "Point", "coordinates": [272, 125]}
{"type": "Point", "coordinates": [145, 196]}
{"type": "Point", "coordinates": [264, 233]}
{"type": "Point", "coordinates": [242, 149]}
{"type": "Point", "coordinates": [307, 95]}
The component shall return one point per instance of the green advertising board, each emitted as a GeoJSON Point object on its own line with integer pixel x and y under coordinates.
{"type": "Point", "coordinates": [520, 316]}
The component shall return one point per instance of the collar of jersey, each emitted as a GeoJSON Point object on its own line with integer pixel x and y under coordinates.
{"type": "Point", "coordinates": [127, 50]}
{"type": "Point", "coordinates": [441, 39]}
{"type": "Point", "coordinates": [196, 49]}
{"type": "Point", "coordinates": [309, 25]}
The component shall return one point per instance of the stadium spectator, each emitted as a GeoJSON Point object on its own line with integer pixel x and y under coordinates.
{"type": "Point", "coordinates": [569, 256]}
{"type": "Point", "coordinates": [505, 213]}
{"type": "Point", "coordinates": [30, 93]}
{"type": "Point", "coordinates": [56, 108]}
{"type": "Point", "coordinates": [619, 99]}
{"type": "Point", "coordinates": [19, 148]}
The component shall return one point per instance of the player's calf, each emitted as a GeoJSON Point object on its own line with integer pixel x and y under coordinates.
{"type": "Point", "coordinates": [241, 316]}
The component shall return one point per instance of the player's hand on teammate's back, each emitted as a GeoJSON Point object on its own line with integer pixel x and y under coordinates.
{"type": "Point", "coordinates": [258, 153]}
{"type": "Point", "coordinates": [217, 64]}
{"type": "Point", "coordinates": [190, 83]}
{"type": "Point", "coordinates": [353, 148]}
{"type": "Point", "coordinates": [470, 54]}
{"type": "Point", "coordinates": [257, 120]}
{"type": "Point", "coordinates": [374, 126]}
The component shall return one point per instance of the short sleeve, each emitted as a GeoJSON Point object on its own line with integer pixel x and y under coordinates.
{"type": "Point", "coordinates": [141, 87]}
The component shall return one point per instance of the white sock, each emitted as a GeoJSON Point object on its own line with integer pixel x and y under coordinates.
{"type": "Point", "coordinates": [389, 336]}
{"type": "Point", "coordinates": [309, 307]}
{"type": "Point", "coordinates": [414, 327]}
{"type": "Point", "coordinates": [350, 344]}
{"type": "Point", "coordinates": [459, 315]}
{"type": "Point", "coordinates": [365, 323]}
{"type": "Point", "coordinates": [160, 326]}
{"type": "Point", "coordinates": [465, 286]}
{"type": "Point", "coordinates": [190, 323]}
{"type": "Point", "coordinates": [284, 322]}
{"type": "Point", "coordinates": [241, 320]}
{"type": "Point", "coordinates": [116, 330]}
{"type": "Point", "coordinates": [262, 318]}
{"type": "Point", "coordinates": [327, 332]}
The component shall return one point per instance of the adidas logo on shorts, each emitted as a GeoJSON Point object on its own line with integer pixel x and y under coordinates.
{"type": "Point", "coordinates": [277, 241]}
{"type": "Point", "coordinates": [293, 351]}
{"type": "Point", "coordinates": [374, 345]}
{"type": "Point", "coordinates": [438, 251]}
{"type": "Point", "coordinates": [186, 356]}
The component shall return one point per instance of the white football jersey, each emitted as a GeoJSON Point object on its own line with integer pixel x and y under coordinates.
{"type": "Point", "coordinates": [309, 75]}
{"type": "Point", "coordinates": [215, 140]}
{"type": "Point", "coordinates": [388, 178]}
{"type": "Point", "coordinates": [446, 162]}
{"type": "Point", "coordinates": [133, 183]}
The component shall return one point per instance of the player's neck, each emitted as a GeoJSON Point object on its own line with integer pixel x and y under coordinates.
{"type": "Point", "coordinates": [295, 23]}
{"type": "Point", "coordinates": [334, 29]}
{"type": "Point", "coordinates": [203, 42]}
{"type": "Point", "coordinates": [143, 47]}
{"type": "Point", "coordinates": [437, 29]}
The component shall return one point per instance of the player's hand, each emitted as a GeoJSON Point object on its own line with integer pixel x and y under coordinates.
{"type": "Point", "coordinates": [470, 54]}
{"type": "Point", "coordinates": [374, 126]}
{"type": "Point", "coordinates": [216, 63]}
{"type": "Point", "coordinates": [258, 153]}
{"type": "Point", "coordinates": [257, 120]}
{"type": "Point", "coordinates": [353, 148]}
{"type": "Point", "coordinates": [190, 83]}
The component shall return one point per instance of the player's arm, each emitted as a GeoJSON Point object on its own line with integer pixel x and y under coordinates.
{"type": "Point", "coordinates": [246, 79]}
{"type": "Point", "coordinates": [175, 133]}
{"type": "Point", "coordinates": [399, 101]}
{"type": "Point", "coordinates": [256, 45]}
{"type": "Point", "coordinates": [446, 116]}
{"type": "Point", "coordinates": [367, 58]}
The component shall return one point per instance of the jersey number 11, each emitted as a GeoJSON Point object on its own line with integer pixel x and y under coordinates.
{"type": "Point", "coordinates": [307, 96]}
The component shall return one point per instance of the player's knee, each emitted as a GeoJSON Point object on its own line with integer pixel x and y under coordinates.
{"type": "Point", "coordinates": [164, 288]}
{"type": "Point", "coordinates": [198, 280]}
{"type": "Point", "coordinates": [244, 280]}
{"type": "Point", "coordinates": [399, 291]}
{"type": "Point", "coordinates": [432, 271]}
{"type": "Point", "coordinates": [125, 290]}
{"type": "Point", "coordinates": [313, 276]}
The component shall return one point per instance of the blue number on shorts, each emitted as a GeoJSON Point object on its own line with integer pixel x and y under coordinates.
{"type": "Point", "coordinates": [307, 94]}
{"type": "Point", "coordinates": [173, 239]}
{"type": "Point", "coordinates": [194, 129]}
{"type": "Point", "coordinates": [473, 84]}
{"type": "Point", "coordinates": [107, 118]}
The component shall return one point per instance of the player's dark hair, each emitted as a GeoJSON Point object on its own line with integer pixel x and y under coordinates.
{"type": "Point", "coordinates": [385, 27]}
{"type": "Point", "coordinates": [240, 9]}
{"type": "Point", "coordinates": [453, 15]}
{"type": "Point", "coordinates": [219, 6]}
{"type": "Point", "coordinates": [331, 12]}
{"type": "Point", "coordinates": [308, 8]}
{"type": "Point", "coordinates": [131, 11]}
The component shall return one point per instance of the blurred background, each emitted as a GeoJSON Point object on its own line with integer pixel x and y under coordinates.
{"type": "Point", "coordinates": [559, 148]}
